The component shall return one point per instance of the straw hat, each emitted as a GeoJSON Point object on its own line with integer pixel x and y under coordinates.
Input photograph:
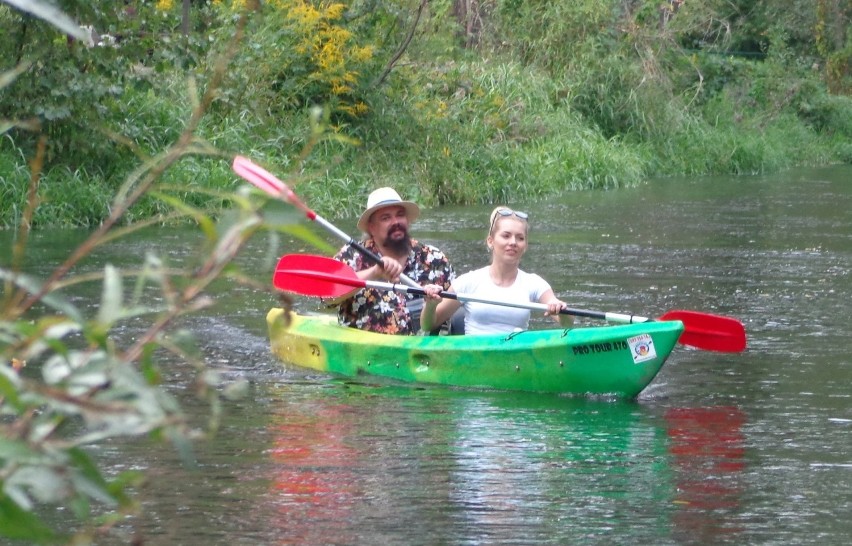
{"type": "Point", "coordinates": [386, 197]}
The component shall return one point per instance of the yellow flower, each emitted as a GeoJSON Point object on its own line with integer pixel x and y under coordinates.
{"type": "Point", "coordinates": [340, 89]}
{"type": "Point", "coordinates": [361, 108]}
{"type": "Point", "coordinates": [165, 5]}
{"type": "Point", "coordinates": [361, 54]}
{"type": "Point", "coordinates": [304, 14]}
{"type": "Point", "coordinates": [334, 11]}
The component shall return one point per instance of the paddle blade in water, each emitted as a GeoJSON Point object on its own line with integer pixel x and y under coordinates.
{"type": "Point", "coordinates": [317, 276]}
{"type": "Point", "coordinates": [710, 332]}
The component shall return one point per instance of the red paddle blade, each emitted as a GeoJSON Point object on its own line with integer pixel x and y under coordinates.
{"type": "Point", "coordinates": [258, 176]}
{"type": "Point", "coordinates": [710, 332]}
{"type": "Point", "coordinates": [269, 183]}
{"type": "Point", "coordinates": [317, 276]}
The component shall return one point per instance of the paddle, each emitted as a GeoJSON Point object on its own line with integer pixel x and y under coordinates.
{"type": "Point", "coordinates": [318, 276]}
{"type": "Point", "coordinates": [269, 183]}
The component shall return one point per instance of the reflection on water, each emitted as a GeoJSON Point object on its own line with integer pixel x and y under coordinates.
{"type": "Point", "coordinates": [707, 450]}
{"type": "Point", "coordinates": [557, 469]}
{"type": "Point", "coordinates": [381, 465]}
{"type": "Point", "coordinates": [313, 477]}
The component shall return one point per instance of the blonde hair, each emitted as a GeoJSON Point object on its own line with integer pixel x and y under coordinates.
{"type": "Point", "coordinates": [495, 215]}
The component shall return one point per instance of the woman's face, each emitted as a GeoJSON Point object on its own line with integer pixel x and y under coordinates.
{"type": "Point", "coordinates": [509, 238]}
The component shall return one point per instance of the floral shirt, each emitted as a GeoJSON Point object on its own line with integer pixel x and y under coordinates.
{"type": "Point", "coordinates": [386, 311]}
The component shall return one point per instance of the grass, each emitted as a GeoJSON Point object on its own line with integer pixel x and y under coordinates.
{"type": "Point", "coordinates": [452, 132]}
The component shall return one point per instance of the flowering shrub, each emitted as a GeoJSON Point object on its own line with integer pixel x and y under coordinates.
{"type": "Point", "coordinates": [304, 53]}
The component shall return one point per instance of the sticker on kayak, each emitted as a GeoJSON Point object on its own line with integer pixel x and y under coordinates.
{"type": "Point", "coordinates": [642, 348]}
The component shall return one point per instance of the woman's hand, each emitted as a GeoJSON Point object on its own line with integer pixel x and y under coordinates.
{"type": "Point", "coordinates": [431, 299]}
{"type": "Point", "coordinates": [554, 308]}
{"type": "Point", "coordinates": [433, 293]}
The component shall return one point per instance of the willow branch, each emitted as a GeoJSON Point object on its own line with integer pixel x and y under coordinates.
{"type": "Point", "coordinates": [403, 46]}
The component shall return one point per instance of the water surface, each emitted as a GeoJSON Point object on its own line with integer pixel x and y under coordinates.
{"type": "Point", "coordinates": [751, 448]}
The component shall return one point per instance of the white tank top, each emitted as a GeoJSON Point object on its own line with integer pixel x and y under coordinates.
{"type": "Point", "coordinates": [483, 318]}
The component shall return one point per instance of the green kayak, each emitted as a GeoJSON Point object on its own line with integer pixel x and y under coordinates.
{"type": "Point", "coordinates": [607, 360]}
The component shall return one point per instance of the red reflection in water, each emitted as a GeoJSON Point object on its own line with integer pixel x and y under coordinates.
{"type": "Point", "coordinates": [314, 480]}
{"type": "Point", "coordinates": [707, 448]}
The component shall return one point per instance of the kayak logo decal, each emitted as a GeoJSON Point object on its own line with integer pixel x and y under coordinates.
{"type": "Point", "coordinates": [642, 348]}
{"type": "Point", "coordinates": [604, 347]}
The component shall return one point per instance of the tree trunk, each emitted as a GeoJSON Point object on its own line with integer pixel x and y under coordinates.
{"type": "Point", "coordinates": [471, 15]}
{"type": "Point", "coordinates": [184, 25]}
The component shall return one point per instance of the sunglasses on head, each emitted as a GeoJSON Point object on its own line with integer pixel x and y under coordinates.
{"type": "Point", "coordinates": [505, 212]}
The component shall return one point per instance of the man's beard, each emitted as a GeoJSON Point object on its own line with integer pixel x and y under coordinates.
{"type": "Point", "coordinates": [402, 246]}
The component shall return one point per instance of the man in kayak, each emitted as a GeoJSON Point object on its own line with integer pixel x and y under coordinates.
{"type": "Point", "coordinates": [385, 223]}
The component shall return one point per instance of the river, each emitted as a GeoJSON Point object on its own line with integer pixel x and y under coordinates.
{"type": "Point", "coordinates": [748, 448]}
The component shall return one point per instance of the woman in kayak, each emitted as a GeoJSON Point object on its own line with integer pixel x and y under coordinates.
{"type": "Point", "coordinates": [502, 280]}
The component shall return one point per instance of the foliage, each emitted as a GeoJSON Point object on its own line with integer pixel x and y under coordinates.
{"type": "Point", "coordinates": [76, 89]}
{"type": "Point", "coordinates": [85, 386]}
{"type": "Point", "coordinates": [628, 85]}
{"type": "Point", "coordinates": [302, 54]}
{"type": "Point", "coordinates": [478, 133]}
{"type": "Point", "coordinates": [67, 381]}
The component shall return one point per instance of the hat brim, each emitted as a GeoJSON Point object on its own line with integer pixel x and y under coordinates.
{"type": "Point", "coordinates": [411, 210]}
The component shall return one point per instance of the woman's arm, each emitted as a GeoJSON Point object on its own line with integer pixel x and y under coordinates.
{"type": "Point", "coordinates": [436, 310]}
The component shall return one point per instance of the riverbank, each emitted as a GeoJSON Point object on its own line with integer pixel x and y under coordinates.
{"type": "Point", "coordinates": [448, 125]}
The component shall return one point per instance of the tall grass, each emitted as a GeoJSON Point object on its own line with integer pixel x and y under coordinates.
{"type": "Point", "coordinates": [473, 132]}
{"type": "Point", "coordinates": [66, 198]}
{"type": "Point", "coordinates": [449, 126]}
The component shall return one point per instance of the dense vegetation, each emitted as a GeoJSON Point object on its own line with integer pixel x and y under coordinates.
{"type": "Point", "coordinates": [450, 101]}
{"type": "Point", "coordinates": [135, 120]}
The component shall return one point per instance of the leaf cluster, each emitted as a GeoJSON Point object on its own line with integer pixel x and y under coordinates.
{"type": "Point", "coordinates": [68, 382]}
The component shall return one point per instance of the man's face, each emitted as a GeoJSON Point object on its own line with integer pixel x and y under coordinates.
{"type": "Point", "coordinates": [389, 227]}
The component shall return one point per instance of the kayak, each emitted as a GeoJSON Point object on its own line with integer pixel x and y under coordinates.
{"type": "Point", "coordinates": [618, 360]}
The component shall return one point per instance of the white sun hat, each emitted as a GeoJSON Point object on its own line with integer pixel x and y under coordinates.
{"type": "Point", "coordinates": [386, 197]}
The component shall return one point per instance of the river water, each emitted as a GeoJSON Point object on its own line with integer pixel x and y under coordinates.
{"type": "Point", "coordinates": [749, 448]}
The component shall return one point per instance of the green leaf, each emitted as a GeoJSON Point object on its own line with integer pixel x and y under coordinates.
{"type": "Point", "coordinates": [185, 341]}
{"type": "Point", "coordinates": [118, 486]}
{"type": "Point", "coordinates": [237, 390]}
{"type": "Point", "coordinates": [33, 286]}
{"type": "Point", "coordinates": [183, 446]}
{"type": "Point", "coordinates": [304, 234]}
{"type": "Point", "coordinates": [17, 523]}
{"type": "Point", "coordinates": [87, 468]}
{"type": "Point", "coordinates": [14, 450]}
{"type": "Point", "coordinates": [280, 213]}
{"type": "Point", "coordinates": [153, 271]}
{"type": "Point", "coordinates": [81, 506]}
{"type": "Point", "coordinates": [47, 334]}
{"type": "Point", "coordinates": [285, 218]}
{"type": "Point", "coordinates": [9, 384]}
{"type": "Point", "coordinates": [46, 484]}
{"type": "Point", "coordinates": [150, 370]}
{"type": "Point", "coordinates": [57, 368]}
{"type": "Point", "coordinates": [89, 481]}
{"type": "Point", "coordinates": [203, 220]}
